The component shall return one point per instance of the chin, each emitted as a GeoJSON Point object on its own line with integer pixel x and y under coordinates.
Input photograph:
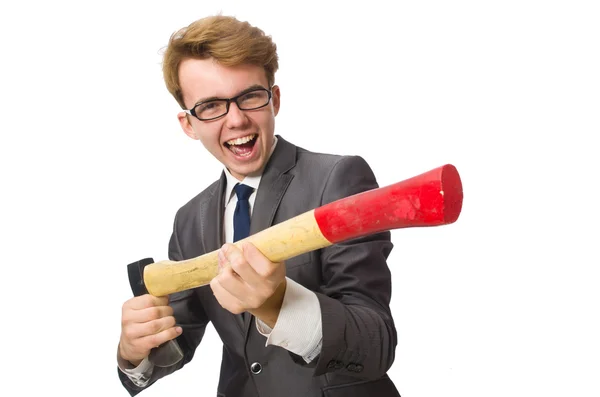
{"type": "Point", "coordinates": [250, 169]}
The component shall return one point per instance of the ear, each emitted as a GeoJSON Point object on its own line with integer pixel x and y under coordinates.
{"type": "Point", "coordinates": [186, 126]}
{"type": "Point", "coordinates": [276, 98]}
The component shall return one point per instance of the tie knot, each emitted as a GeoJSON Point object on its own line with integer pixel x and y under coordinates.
{"type": "Point", "coordinates": [243, 191]}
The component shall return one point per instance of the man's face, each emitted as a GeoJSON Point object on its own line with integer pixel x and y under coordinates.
{"type": "Point", "coordinates": [242, 139]}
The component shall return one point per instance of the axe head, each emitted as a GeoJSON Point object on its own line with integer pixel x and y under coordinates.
{"type": "Point", "coordinates": [168, 353]}
{"type": "Point", "coordinates": [135, 271]}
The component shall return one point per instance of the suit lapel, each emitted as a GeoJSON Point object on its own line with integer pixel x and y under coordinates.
{"type": "Point", "coordinates": [271, 190]}
{"type": "Point", "coordinates": [214, 216]}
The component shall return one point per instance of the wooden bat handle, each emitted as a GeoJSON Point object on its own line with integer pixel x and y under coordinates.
{"type": "Point", "coordinates": [279, 242]}
{"type": "Point", "coordinates": [430, 199]}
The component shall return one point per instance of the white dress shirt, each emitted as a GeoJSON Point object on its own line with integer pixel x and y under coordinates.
{"type": "Point", "coordinates": [298, 328]}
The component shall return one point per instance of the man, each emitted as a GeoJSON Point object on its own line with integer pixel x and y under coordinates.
{"type": "Point", "coordinates": [318, 324]}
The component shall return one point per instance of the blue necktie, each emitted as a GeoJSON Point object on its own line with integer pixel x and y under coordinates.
{"type": "Point", "coordinates": [241, 216]}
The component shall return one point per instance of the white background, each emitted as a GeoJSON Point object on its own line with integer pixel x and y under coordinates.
{"type": "Point", "coordinates": [505, 302]}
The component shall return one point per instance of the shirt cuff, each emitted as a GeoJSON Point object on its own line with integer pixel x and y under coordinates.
{"type": "Point", "coordinates": [139, 375]}
{"type": "Point", "coordinates": [298, 327]}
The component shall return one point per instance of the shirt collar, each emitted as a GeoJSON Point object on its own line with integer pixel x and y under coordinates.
{"type": "Point", "coordinates": [250, 180]}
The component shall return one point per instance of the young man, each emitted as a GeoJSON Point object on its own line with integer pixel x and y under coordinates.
{"type": "Point", "coordinates": [318, 324]}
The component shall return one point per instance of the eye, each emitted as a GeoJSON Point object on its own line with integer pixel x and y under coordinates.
{"type": "Point", "coordinates": [254, 99]}
{"type": "Point", "coordinates": [208, 106]}
{"type": "Point", "coordinates": [250, 95]}
{"type": "Point", "coordinates": [211, 108]}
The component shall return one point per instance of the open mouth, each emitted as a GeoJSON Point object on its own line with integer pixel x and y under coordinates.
{"type": "Point", "coordinates": [242, 146]}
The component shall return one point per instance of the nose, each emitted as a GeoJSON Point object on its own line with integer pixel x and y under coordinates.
{"type": "Point", "coordinates": [236, 118]}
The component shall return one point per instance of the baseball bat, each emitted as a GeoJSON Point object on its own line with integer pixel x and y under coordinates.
{"type": "Point", "coordinates": [432, 198]}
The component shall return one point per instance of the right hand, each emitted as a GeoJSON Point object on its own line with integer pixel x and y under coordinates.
{"type": "Point", "coordinates": [146, 322]}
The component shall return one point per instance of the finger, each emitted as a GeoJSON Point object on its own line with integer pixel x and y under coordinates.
{"type": "Point", "coordinates": [144, 301]}
{"type": "Point", "coordinates": [141, 330]}
{"type": "Point", "coordinates": [147, 314]}
{"type": "Point", "coordinates": [231, 282]}
{"type": "Point", "coordinates": [158, 339]}
{"type": "Point", "coordinates": [261, 265]}
{"type": "Point", "coordinates": [232, 255]}
{"type": "Point", "coordinates": [226, 299]}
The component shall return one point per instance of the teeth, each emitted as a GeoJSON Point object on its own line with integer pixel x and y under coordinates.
{"type": "Point", "coordinates": [241, 141]}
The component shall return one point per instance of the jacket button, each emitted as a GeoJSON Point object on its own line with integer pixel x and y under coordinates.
{"type": "Point", "coordinates": [256, 368]}
{"type": "Point", "coordinates": [335, 364]}
{"type": "Point", "coordinates": [354, 367]}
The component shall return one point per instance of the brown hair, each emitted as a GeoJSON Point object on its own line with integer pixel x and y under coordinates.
{"type": "Point", "coordinates": [229, 41]}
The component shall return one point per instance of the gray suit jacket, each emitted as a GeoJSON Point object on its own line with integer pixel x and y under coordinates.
{"type": "Point", "coordinates": [351, 280]}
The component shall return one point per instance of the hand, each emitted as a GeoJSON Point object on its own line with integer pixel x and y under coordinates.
{"type": "Point", "coordinates": [146, 322]}
{"type": "Point", "coordinates": [248, 281]}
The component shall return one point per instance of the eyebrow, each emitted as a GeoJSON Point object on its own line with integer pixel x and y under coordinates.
{"type": "Point", "coordinates": [212, 98]}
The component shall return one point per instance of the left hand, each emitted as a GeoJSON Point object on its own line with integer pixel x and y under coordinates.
{"type": "Point", "coordinates": [248, 281]}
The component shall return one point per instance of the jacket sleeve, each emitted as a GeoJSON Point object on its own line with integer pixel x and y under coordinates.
{"type": "Point", "coordinates": [359, 336]}
{"type": "Point", "coordinates": [188, 313]}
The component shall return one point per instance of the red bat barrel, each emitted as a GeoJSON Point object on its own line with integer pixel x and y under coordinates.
{"type": "Point", "coordinates": [430, 199]}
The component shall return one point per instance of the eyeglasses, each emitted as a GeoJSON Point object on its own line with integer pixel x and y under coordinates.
{"type": "Point", "coordinates": [215, 108]}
